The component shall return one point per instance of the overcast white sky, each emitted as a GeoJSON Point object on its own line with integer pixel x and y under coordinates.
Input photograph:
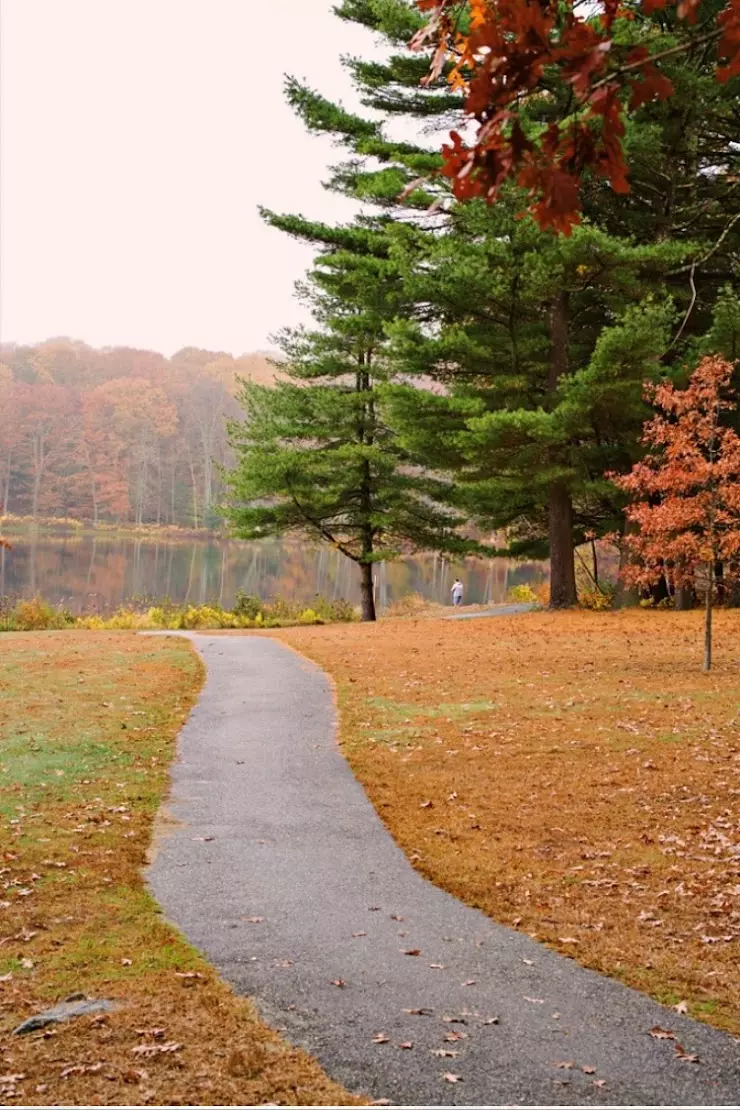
{"type": "Point", "coordinates": [138, 137]}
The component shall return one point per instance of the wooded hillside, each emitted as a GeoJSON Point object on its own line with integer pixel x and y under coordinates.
{"type": "Point", "coordinates": [117, 434]}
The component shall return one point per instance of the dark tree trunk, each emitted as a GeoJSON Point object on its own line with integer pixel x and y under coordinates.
{"type": "Point", "coordinates": [659, 592]}
{"type": "Point", "coordinates": [684, 598]}
{"type": "Point", "coordinates": [708, 618]}
{"type": "Point", "coordinates": [563, 593]}
{"type": "Point", "coordinates": [732, 599]}
{"type": "Point", "coordinates": [367, 593]}
{"type": "Point", "coordinates": [719, 583]}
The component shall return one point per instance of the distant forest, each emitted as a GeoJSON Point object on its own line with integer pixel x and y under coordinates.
{"type": "Point", "coordinates": [118, 434]}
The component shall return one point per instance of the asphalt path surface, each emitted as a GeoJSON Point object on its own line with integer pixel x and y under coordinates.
{"type": "Point", "coordinates": [279, 870]}
{"type": "Point", "coordinates": [494, 611]}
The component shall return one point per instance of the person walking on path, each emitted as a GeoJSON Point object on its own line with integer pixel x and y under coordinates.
{"type": "Point", "coordinates": [457, 592]}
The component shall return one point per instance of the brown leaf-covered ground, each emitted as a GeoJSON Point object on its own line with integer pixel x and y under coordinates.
{"type": "Point", "coordinates": [573, 775]}
{"type": "Point", "coordinates": [87, 728]}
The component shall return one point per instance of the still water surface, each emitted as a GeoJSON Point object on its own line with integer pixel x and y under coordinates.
{"type": "Point", "coordinates": [85, 571]}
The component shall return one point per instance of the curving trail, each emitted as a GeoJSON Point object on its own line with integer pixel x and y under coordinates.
{"type": "Point", "coordinates": [279, 858]}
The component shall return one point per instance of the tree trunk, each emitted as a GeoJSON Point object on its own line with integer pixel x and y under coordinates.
{"type": "Point", "coordinates": [366, 592]}
{"type": "Point", "coordinates": [194, 485]}
{"type": "Point", "coordinates": [708, 618]}
{"type": "Point", "coordinates": [732, 599]}
{"type": "Point", "coordinates": [6, 491]}
{"type": "Point", "coordinates": [684, 598]}
{"type": "Point", "coordinates": [719, 580]}
{"type": "Point", "coordinates": [563, 592]}
{"type": "Point", "coordinates": [36, 492]}
{"type": "Point", "coordinates": [659, 591]}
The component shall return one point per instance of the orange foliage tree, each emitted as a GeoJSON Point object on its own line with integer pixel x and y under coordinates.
{"type": "Point", "coordinates": [686, 492]}
{"type": "Point", "coordinates": [506, 54]}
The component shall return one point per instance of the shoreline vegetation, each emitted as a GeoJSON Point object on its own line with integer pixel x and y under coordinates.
{"type": "Point", "coordinates": [12, 523]}
{"type": "Point", "coordinates": [35, 614]}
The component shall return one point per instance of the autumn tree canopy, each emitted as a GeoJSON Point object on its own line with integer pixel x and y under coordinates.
{"type": "Point", "coordinates": [118, 435]}
{"type": "Point", "coordinates": [546, 85]}
{"type": "Point", "coordinates": [686, 491]}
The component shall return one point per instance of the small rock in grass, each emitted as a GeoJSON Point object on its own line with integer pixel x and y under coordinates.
{"type": "Point", "coordinates": [75, 1006]}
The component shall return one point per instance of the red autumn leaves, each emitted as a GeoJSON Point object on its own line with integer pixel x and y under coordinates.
{"type": "Point", "coordinates": [686, 492]}
{"type": "Point", "coordinates": [512, 52]}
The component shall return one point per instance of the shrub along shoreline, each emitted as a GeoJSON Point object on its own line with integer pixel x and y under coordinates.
{"type": "Point", "coordinates": [35, 614]}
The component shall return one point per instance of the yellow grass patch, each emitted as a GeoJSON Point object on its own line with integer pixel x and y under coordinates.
{"type": "Point", "coordinates": [87, 729]}
{"type": "Point", "coordinates": [573, 775]}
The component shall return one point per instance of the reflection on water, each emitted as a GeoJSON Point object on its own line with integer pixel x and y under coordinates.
{"type": "Point", "coordinates": [104, 571]}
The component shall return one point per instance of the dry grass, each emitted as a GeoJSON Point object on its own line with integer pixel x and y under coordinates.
{"type": "Point", "coordinates": [87, 728]}
{"type": "Point", "coordinates": [574, 775]}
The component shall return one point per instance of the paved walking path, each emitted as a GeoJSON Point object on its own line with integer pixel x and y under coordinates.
{"type": "Point", "coordinates": [282, 874]}
{"type": "Point", "coordinates": [494, 611]}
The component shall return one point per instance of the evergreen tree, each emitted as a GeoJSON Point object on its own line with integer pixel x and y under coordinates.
{"type": "Point", "coordinates": [530, 420]}
{"type": "Point", "coordinates": [315, 455]}
{"type": "Point", "coordinates": [538, 398]}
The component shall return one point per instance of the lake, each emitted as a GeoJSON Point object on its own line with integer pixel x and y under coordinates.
{"type": "Point", "coordinates": [84, 571]}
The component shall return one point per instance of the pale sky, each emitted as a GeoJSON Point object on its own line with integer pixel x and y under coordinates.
{"type": "Point", "coordinates": [138, 137]}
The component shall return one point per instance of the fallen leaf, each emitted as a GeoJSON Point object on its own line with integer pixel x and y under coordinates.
{"type": "Point", "coordinates": [444, 1052]}
{"type": "Point", "coordinates": [452, 1078]}
{"type": "Point", "coordinates": [538, 1001]}
{"type": "Point", "coordinates": [26, 963]}
{"type": "Point", "coordinates": [79, 1069]}
{"type": "Point", "coordinates": [682, 1054]}
{"type": "Point", "coordinates": [438, 967]}
{"type": "Point", "coordinates": [470, 982]}
{"type": "Point", "coordinates": [204, 839]}
{"type": "Point", "coordinates": [661, 1034]}
{"type": "Point", "coordinates": [411, 951]}
{"type": "Point", "coordinates": [681, 1008]}
{"type": "Point", "coordinates": [337, 982]}
{"type": "Point", "coordinates": [396, 917]}
{"type": "Point", "coordinates": [126, 962]}
{"type": "Point", "coordinates": [426, 805]}
{"type": "Point", "coordinates": [359, 934]}
{"type": "Point", "coordinates": [189, 975]}
{"type": "Point", "coordinates": [569, 940]}
{"type": "Point", "coordinates": [420, 1010]}
{"type": "Point", "coordinates": [454, 1036]}
{"type": "Point", "coordinates": [529, 963]}
{"type": "Point", "coordinates": [254, 920]}
{"type": "Point", "coordinates": [491, 1020]}
{"type": "Point", "coordinates": [156, 1049]}
{"type": "Point", "coordinates": [599, 1082]}
{"type": "Point", "coordinates": [406, 1044]}
{"type": "Point", "coordinates": [455, 1020]}
{"type": "Point", "coordinates": [380, 1038]}
{"type": "Point", "coordinates": [587, 1070]}
{"type": "Point", "coordinates": [567, 1064]}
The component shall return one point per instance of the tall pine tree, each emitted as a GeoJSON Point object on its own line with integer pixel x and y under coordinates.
{"type": "Point", "coordinates": [315, 455]}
